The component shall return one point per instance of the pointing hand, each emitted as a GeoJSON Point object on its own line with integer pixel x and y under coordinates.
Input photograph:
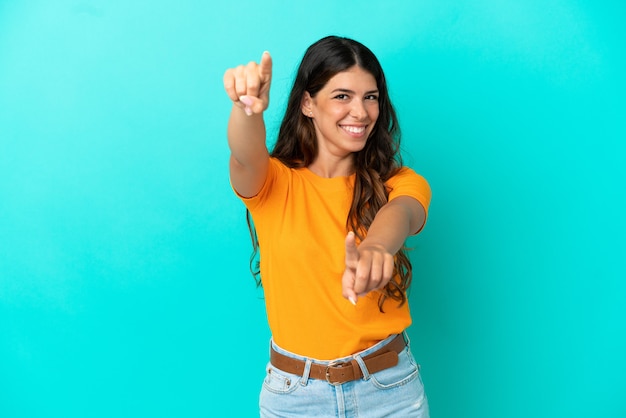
{"type": "Point", "coordinates": [248, 86]}
{"type": "Point", "coordinates": [368, 267]}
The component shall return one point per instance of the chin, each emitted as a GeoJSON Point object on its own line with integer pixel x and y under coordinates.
{"type": "Point", "coordinates": [358, 148]}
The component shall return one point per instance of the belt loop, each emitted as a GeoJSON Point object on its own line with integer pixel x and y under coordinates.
{"type": "Point", "coordinates": [271, 347]}
{"type": "Point", "coordinates": [305, 374]}
{"type": "Point", "coordinates": [366, 373]}
{"type": "Point", "coordinates": [407, 340]}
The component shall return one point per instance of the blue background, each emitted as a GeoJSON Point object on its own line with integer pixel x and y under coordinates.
{"type": "Point", "coordinates": [124, 283]}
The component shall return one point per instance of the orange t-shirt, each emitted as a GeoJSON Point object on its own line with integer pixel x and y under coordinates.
{"type": "Point", "coordinates": [300, 219]}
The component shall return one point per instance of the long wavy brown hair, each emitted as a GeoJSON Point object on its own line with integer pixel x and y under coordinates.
{"type": "Point", "coordinates": [376, 163]}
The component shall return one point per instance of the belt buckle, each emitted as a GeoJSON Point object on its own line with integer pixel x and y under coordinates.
{"type": "Point", "coordinates": [327, 372]}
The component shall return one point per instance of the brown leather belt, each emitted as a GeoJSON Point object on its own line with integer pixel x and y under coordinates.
{"type": "Point", "coordinates": [337, 373]}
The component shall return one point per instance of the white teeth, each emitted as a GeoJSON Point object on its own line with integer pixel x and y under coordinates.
{"type": "Point", "coordinates": [354, 129]}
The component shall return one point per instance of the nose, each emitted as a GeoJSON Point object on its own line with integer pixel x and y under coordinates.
{"type": "Point", "coordinates": [358, 110]}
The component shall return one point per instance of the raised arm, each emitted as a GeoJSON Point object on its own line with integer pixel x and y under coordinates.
{"type": "Point", "coordinates": [248, 87]}
{"type": "Point", "coordinates": [370, 265]}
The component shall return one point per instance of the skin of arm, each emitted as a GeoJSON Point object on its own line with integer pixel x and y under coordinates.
{"type": "Point", "coordinates": [248, 88]}
{"type": "Point", "coordinates": [370, 265]}
{"type": "Point", "coordinates": [249, 158]}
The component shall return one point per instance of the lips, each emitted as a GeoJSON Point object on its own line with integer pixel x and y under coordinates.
{"type": "Point", "coordinates": [355, 130]}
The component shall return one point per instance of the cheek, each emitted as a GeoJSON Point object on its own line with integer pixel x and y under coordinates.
{"type": "Point", "coordinates": [338, 112]}
{"type": "Point", "coordinates": [373, 109]}
{"type": "Point", "coordinates": [374, 118]}
{"type": "Point", "coordinates": [374, 112]}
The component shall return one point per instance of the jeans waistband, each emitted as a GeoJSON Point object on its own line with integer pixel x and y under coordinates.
{"type": "Point", "coordinates": [381, 356]}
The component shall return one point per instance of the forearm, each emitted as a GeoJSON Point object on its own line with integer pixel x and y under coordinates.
{"type": "Point", "coordinates": [394, 222]}
{"type": "Point", "coordinates": [370, 266]}
{"type": "Point", "coordinates": [246, 138]}
{"type": "Point", "coordinates": [249, 159]}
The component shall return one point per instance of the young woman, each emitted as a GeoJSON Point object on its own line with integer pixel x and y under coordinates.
{"type": "Point", "coordinates": [331, 208]}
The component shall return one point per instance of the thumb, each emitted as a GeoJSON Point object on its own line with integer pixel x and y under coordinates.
{"type": "Point", "coordinates": [253, 105]}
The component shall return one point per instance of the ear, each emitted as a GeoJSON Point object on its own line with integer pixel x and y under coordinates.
{"type": "Point", "coordinates": [306, 107]}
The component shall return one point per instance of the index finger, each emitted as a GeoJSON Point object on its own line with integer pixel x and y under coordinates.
{"type": "Point", "coordinates": [352, 254]}
{"type": "Point", "coordinates": [265, 66]}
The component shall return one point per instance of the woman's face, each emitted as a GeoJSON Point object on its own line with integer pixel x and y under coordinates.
{"type": "Point", "coordinates": [344, 112]}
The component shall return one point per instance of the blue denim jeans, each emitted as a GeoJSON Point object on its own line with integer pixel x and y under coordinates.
{"type": "Point", "coordinates": [394, 392]}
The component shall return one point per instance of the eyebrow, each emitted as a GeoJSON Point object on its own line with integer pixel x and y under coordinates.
{"type": "Point", "coordinates": [352, 92]}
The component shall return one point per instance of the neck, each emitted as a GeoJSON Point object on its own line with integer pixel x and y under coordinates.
{"type": "Point", "coordinates": [329, 168]}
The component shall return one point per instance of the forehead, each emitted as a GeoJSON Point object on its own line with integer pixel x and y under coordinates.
{"type": "Point", "coordinates": [354, 78]}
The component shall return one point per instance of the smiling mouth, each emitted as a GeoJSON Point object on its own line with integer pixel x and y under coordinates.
{"type": "Point", "coordinates": [356, 130]}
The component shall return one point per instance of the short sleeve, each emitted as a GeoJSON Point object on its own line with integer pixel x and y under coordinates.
{"type": "Point", "coordinates": [276, 171]}
{"type": "Point", "coordinates": [408, 183]}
